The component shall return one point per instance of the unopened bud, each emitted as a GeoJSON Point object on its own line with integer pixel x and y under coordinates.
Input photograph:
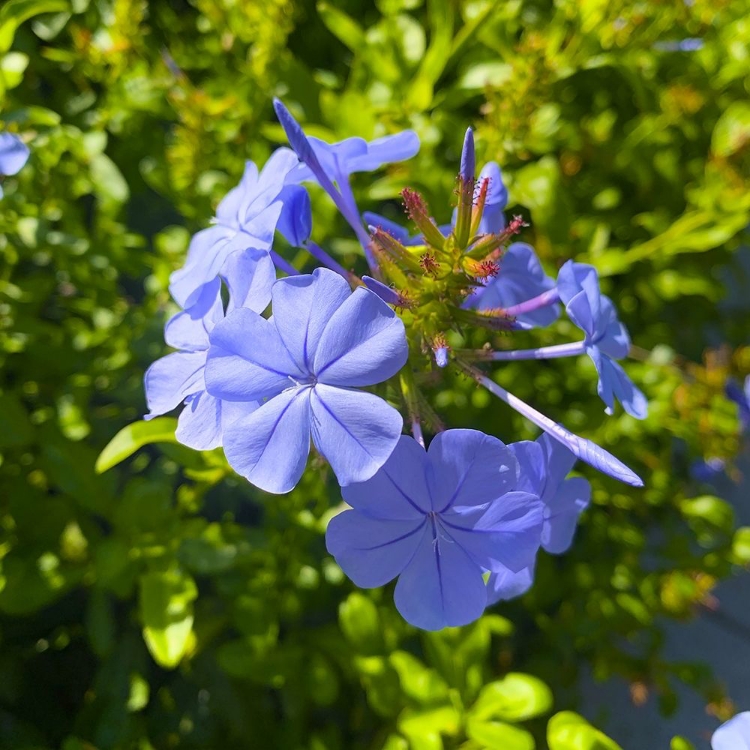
{"type": "Point", "coordinates": [386, 293]}
{"type": "Point", "coordinates": [385, 244]}
{"type": "Point", "coordinates": [419, 214]}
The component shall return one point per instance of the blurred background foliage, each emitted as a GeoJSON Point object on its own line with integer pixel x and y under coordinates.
{"type": "Point", "coordinates": [167, 604]}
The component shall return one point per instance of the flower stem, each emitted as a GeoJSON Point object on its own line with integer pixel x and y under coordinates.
{"type": "Point", "coordinates": [416, 430]}
{"type": "Point", "coordinates": [351, 214]}
{"type": "Point", "coordinates": [535, 303]}
{"type": "Point", "coordinates": [323, 257]}
{"type": "Point", "coordinates": [573, 349]}
{"type": "Point", "coordinates": [583, 449]}
{"type": "Point", "coordinates": [283, 265]}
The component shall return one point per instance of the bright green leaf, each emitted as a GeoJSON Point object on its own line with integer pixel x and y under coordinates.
{"type": "Point", "coordinates": [569, 731]}
{"type": "Point", "coordinates": [516, 697]}
{"type": "Point", "coordinates": [129, 439]}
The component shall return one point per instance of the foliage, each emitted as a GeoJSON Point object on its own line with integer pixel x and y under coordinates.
{"type": "Point", "coordinates": [165, 602]}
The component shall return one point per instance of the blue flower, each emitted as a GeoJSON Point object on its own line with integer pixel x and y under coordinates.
{"type": "Point", "coordinates": [741, 396]}
{"type": "Point", "coordinates": [606, 337]}
{"type": "Point", "coordinates": [520, 278]}
{"type": "Point", "coordinates": [14, 153]}
{"type": "Point", "coordinates": [544, 466]}
{"type": "Point", "coordinates": [351, 155]}
{"type": "Point", "coordinates": [438, 520]}
{"type": "Point", "coordinates": [304, 363]}
{"type": "Point", "coordinates": [708, 470]}
{"type": "Point", "coordinates": [179, 377]}
{"type": "Point", "coordinates": [733, 734]}
{"type": "Point", "coordinates": [246, 218]}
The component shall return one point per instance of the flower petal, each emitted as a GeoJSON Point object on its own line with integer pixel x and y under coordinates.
{"type": "Point", "coordinates": [372, 551]}
{"type": "Point", "coordinates": [247, 360]}
{"type": "Point", "coordinates": [355, 431]}
{"type": "Point", "coordinates": [558, 461]}
{"type": "Point", "coordinates": [302, 307]}
{"type": "Point", "coordinates": [504, 584]}
{"type": "Point", "coordinates": [468, 467]}
{"type": "Point", "coordinates": [270, 446]}
{"type": "Point", "coordinates": [615, 384]}
{"type": "Point", "coordinates": [364, 343]}
{"type": "Point", "coordinates": [733, 734]}
{"type": "Point", "coordinates": [562, 512]}
{"type": "Point", "coordinates": [507, 530]}
{"type": "Point", "coordinates": [398, 491]}
{"type": "Point", "coordinates": [199, 424]}
{"type": "Point", "coordinates": [189, 329]}
{"type": "Point", "coordinates": [250, 276]}
{"type": "Point", "coordinates": [385, 150]}
{"type": "Point", "coordinates": [171, 379]}
{"type": "Point", "coordinates": [295, 222]}
{"type": "Point", "coordinates": [441, 586]}
{"type": "Point", "coordinates": [14, 153]}
{"type": "Point", "coordinates": [231, 209]}
{"type": "Point", "coordinates": [531, 466]}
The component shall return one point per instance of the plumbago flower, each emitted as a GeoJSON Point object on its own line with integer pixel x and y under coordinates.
{"type": "Point", "coordinates": [544, 466]}
{"type": "Point", "coordinates": [180, 377]}
{"type": "Point", "coordinates": [439, 519]}
{"type": "Point", "coordinates": [247, 217]}
{"type": "Point", "coordinates": [741, 396]}
{"type": "Point", "coordinates": [460, 524]}
{"type": "Point", "coordinates": [733, 734]}
{"type": "Point", "coordinates": [304, 363]}
{"type": "Point", "coordinates": [14, 153]}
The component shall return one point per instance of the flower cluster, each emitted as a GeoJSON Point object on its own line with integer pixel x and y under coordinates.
{"type": "Point", "coordinates": [458, 524]}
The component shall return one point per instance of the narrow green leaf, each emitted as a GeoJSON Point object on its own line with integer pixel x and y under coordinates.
{"type": "Point", "coordinates": [14, 12]}
{"type": "Point", "coordinates": [129, 439]}
{"type": "Point", "coordinates": [342, 26]}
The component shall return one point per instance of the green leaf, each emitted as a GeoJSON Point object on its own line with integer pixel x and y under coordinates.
{"type": "Point", "coordinates": [108, 181]}
{"type": "Point", "coordinates": [499, 736]}
{"type": "Point", "coordinates": [713, 510]}
{"type": "Point", "coordinates": [417, 681]}
{"type": "Point", "coordinates": [342, 26]}
{"type": "Point", "coordinates": [15, 427]}
{"type": "Point", "coordinates": [732, 130]}
{"type": "Point", "coordinates": [741, 546]}
{"type": "Point", "coordinates": [129, 439]}
{"type": "Point", "coordinates": [569, 731]}
{"type": "Point", "coordinates": [680, 743]}
{"type": "Point", "coordinates": [166, 604]}
{"type": "Point", "coordinates": [15, 12]}
{"type": "Point", "coordinates": [12, 67]}
{"type": "Point", "coordinates": [360, 623]}
{"type": "Point", "coordinates": [516, 697]}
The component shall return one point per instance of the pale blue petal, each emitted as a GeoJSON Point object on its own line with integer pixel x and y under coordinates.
{"type": "Point", "coordinates": [558, 461]}
{"type": "Point", "coordinates": [612, 337]}
{"type": "Point", "coordinates": [199, 425]}
{"type": "Point", "coordinates": [520, 278]}
{"type": "Point", "coordinates": [561, 514]}
{"type": "Point", "coordinates": [302, 308]}
{"type": "Point", "coordinates": [356, 432]}
{"type": "Point", "coordinates": [171, 379]}
{"type": "Point", "coordinates": [581, 313]}
{"type": "Point", "coordinates": [188, 330]}
{"type": "Point", "coordinates": [573, 278]}
{"type": "Point", "coordinates": [441, 586]}
{"type": "Point", "coordinates": [247, 360]}
{"type": "Point", "coordinates": [531, 466]}
{"type": "Point", "coordinates": [372, 551]}
{"type": "Point", "coordinates": [399, 490]}
{"type": "Point", "coordinates": [468, 467]}
{"type": "Point", "coordinates": [270, 183]}
{"type": "Point", "coordinates": [733, 734]}
{"type": "Point", "coordinates": [506, 531]}
{"type": "Point", "coordinates": [493, 219]}
{"type": "Point", "coordinates": [615, 384]}
{"type": "Point", "coordinates": [204, 260]}
{"type": "Point", "coordinates": [232, 208]}
{"type": "Point", "coordinates": [504, 584]}
{"type": "Point", "coordinates": [363, 343]}
{"type": "Point", "coordinates": [250, 276]}
{"type": "Point", "coordinates": [386, 150]}
{"type": "Point", "coordinates": [295, 222]}
{"type": "Point", "coordinates": [270, 446]}
{"type": "Point", "coordinates": [14, 153]}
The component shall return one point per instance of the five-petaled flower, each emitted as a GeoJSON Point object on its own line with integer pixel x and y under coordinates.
{"type": "Point", "coordinates": [246, 218]}
{"type": "Point", "coordinates": [544, 465]}
{"type": "Point", "coordinates": [179, 377]}
{"type": "Point", "coordinates": [439, 519]}
{"type": "Point", "coordinates": [606, 337]}
{"type": "Point", "coordinates": [304, 364]}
